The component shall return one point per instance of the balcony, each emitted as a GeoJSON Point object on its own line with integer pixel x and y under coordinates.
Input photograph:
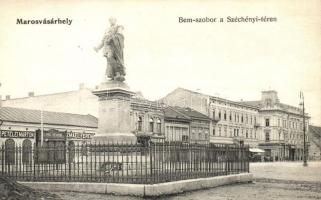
{"type": "Point", "coordinates": [216, 119]}
{"type": "Point", "coordinates": [257, 125]}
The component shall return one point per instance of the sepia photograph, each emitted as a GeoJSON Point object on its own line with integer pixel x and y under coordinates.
{"type": "Point", "coordinates": [160, 99]}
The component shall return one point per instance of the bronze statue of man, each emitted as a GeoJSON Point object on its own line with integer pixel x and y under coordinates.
{"type": "Point", "coordinates": [113, 43]}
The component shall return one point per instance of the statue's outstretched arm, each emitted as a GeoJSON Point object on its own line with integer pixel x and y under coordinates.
{"type": "Point", "coordinates": [101, 44]}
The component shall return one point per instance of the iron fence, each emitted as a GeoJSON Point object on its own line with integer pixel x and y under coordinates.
{"type": "Point", "coordinates": [122, 163]}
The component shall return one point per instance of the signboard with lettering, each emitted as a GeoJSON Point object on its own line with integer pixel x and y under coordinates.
{"type": "Point", "coordinates": [54, 135]}
{"type": "Point", "coordinates": [16, 134]}
{"type": "Point", "coordinates": [77, 135]}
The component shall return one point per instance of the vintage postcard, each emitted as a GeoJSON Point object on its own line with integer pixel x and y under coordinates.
{"type": "Point", "coordinates": [160, 99]}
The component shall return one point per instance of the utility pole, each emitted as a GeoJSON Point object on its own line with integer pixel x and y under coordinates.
{"type": "Point", "coordinates": [305, 164]}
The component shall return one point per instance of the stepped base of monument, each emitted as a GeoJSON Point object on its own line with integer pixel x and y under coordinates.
{"type": "Point", "coordinates": [115, 138]}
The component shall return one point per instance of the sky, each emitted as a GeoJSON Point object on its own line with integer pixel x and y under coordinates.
{"type": "Point", "coordinates": [230, 60]}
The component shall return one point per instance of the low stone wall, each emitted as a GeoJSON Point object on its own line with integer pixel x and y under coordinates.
{"type": "Point", "coordinates": [142, 190]}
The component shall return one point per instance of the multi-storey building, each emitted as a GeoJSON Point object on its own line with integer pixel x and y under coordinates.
{"type": "Point", "coordinates": [315, 143]}
{"type": "Point", "coordinates": [147, 120]}
{"type": "Point", "coordinates": [281, 127]}
{"type": "Point", "coordinates": [275, 127]}
{"type": "Point", "coordinates": [186, 125]}
{"type": "Point", "coordinates": [232, 122]}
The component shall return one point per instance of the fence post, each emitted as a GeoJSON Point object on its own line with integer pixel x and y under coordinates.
{"type": "Point", "coordinates": [2, 160]}
{"type": "Point", "coordinates": [150, 161]}
{"type": "Point", "coordinates": [226, 159]}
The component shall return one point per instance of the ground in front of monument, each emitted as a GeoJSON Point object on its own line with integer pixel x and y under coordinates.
{"type": "Point", "coordinates": [278, 180]}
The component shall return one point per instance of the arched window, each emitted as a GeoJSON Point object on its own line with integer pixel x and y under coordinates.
{"type": "Point", "coordinates": [10, 151]}
{"type": "Point", "coordinates": [151, 125]}
{"type": "Point", "coordinates": [84, 151]}
{"type": "Point", "coordinates": [71, 150]}
{"type": "Point", "coordinates": [26, 151]}
{"type": "Point", "coordinates": [60, 153]}
{"type": "Point", "coordinates": [140, 124]}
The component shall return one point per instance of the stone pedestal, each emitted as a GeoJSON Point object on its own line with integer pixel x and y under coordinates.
{"type": "Point", "coordinates": [114, 122]}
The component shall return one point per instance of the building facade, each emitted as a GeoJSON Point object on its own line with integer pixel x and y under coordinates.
{"type": "Point", "coordinates": [186, 125]}
{"type": "Point", "coordinates": [147, 120]}
{"type": "Point", "coordinates": [281, 127]}
{"type": "Point", "coordinates": [267, 124]}
{"type": "Point", "coordinates": [231, 122]}
{"type": "Point", "coordinates": [314, 143]}
{"type": "Point", "coordinates": [20, 126]}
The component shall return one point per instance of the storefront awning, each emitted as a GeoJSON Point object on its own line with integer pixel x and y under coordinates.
{"type": "Point", "coordinates": [256, 150]}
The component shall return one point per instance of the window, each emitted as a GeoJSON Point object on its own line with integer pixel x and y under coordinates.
{"type": "Point", "coordinates": [219, 114]}
{"type": "Point", "coordinates": [140, 124]}
{"type": "Point", "coordinates": [230, 117]}
{"type": "Point", "coordinates": [10, 151]}
{"type": "Point", "coordinates": [224, 115]}
{"type": "Point", "coordinates": [26, 151]}
{"type": "Point", "coordinates": [267, 136]}
{"type": "Point", "coordinates": [219, 131]}
{"type": "Point", "coordinates": [151, 125]}
{"type": "Point", "coordinates": [213, 114]}
{"type": "Point", "coordinates": [213, 131]}
{"type": "Point", "coordinates": [185, 138]}
{"type": "Point", "coordinates": [247, 134]}
{"type": "Point", "coordinates": [267, 122]}
{"type": "Point", "coordinates": [158, 126]}
{"type": "Point", "coordinates": [242, 119]}
{"type": "Point", "coordinates": [268, 102]}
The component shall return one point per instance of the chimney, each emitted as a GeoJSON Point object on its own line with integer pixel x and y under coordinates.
{"type": "Point", "coordinates": [31, 94]}
{"type": "Point", "coordinates": [7, 97]}
{"type": "Point", "coordinates": [81, 86]}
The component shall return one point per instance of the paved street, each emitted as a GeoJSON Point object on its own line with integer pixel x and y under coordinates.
{"type": "Point", "coordinates": [287, 171]}
{"type": "Point", "coordinates": [280, 180]}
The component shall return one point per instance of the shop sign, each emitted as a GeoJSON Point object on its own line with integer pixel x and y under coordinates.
{"type": "Point", "coordinates": [16, 134]}
{"type": "Point", "coordinates": [54, 135]}
{"type": "Point", "coordinates": [75, 135]}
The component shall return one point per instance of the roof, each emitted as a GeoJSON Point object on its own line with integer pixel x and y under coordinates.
{"type": "Point", "coordinates": [284, 107]}
{"type": "Point", "coordinates": [191, 113]}
{"type": "Point", "coordinates": [55, 118]}
{"type": "Point", "coordinates": [316, 130]}
{"type": "Point", "coordinates": [214, 97]}
{"type": "Point", "coordinates": [171, 113]}
{"type": "Point", "coordinates": [251, 103]}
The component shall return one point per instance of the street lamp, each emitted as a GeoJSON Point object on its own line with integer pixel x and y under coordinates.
{"type": "Point", "coordinates": [304, 145]}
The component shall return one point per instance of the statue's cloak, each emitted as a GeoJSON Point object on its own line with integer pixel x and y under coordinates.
{"type": "Point", "coordinates": [117, 46]}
